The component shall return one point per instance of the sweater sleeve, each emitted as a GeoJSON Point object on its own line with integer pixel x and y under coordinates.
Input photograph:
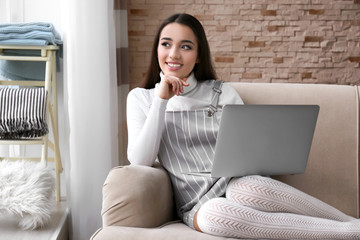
{"type": "Point", "coordinates": [145, 121]}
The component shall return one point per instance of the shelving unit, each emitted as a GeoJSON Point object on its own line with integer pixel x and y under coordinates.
{"type": "Point", "coordinates": [47, 55]}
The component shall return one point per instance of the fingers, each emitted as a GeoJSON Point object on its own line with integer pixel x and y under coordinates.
{"type": "Point", "coordinates": [184, 82]}
{"type": "Point", "coordinates": [176, 86]}
{"type": "Point", "coordinates": [175, 83]}
{"type": "Point", "coordinates": [171, 85]}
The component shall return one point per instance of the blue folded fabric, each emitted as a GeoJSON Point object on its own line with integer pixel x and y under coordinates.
{"type": "Point", "coordinates": [24, 42]}
{"type": "Point", "coordinates": [22, 70]}
{"type": "Point", "coordinates": [28, 34]}
{"type": "Point", "coordinates": [26, 27]}
{"type": "Point", "coordinates": [47, 37]}
{"type": "Point", "coordinates": [30, 31]}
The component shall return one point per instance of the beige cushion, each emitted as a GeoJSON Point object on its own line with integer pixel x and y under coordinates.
{"type": "Point", "coordinates": [137, 196]}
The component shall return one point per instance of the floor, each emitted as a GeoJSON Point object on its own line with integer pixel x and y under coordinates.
{"type": "Point", "coordinates": [56, 230]}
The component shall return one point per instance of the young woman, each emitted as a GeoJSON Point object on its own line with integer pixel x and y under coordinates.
{"type": "Point", "coordinates": [174, 119]}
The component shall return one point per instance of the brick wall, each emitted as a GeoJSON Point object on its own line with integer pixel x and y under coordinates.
{"type": "Point", "coordinates": [297, 41]}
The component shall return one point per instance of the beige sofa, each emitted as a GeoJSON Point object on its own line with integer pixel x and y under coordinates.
{"type": "Point", "coordinates": [138, 204]}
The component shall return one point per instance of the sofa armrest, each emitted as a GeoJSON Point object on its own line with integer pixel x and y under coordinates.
{"type": "Point", "coordinates": [137, 196]}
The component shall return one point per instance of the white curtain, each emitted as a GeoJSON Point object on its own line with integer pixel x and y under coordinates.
{"type": "Point", "coordinates": [90, 100]}
{"type": "Point", "coordinates": [87, 91]}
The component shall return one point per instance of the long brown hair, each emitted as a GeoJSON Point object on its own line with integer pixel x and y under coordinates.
{"type": "Point", "coordinates": [203, 70]}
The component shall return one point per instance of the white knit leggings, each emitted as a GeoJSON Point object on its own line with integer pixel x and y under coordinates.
{"type": "Point", "coordinates": [260, 207]}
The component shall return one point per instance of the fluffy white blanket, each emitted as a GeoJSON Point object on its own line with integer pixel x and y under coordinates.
{"type": "Point", "coordinates": [27, 191]}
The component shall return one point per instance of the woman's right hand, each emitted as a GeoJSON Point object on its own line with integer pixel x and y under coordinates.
{"type": "Point", "coordinates": [170, 86]}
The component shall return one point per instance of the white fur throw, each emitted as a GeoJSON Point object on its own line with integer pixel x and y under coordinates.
{"type": "Point", "coordinates": [27, 191]}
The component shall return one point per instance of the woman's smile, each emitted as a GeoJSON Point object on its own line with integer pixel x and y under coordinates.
{"type": "Point", "coordinates": [174, 66]}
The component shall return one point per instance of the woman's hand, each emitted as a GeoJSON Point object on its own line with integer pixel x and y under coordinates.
{"type": "Point", "coordinates": [170, 86]}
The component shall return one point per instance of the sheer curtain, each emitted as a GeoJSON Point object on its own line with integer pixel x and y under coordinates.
{"type": "Point", "coordinates": [88, 91]}
{"type": "Point", "coordinates": [120, 9]}
{"type": "Point", "coordinates": [90, 102]}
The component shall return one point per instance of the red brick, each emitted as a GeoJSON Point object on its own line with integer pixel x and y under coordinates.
{"type": "Point", "coordinates": [272, 28]}
{"type": "Point", "coordinates": [224, 59]}
{"type": "Point", "coordinates": [306, 75]}
{"type": "Point", "coordinates": [265, 12]}
{"type": "Point", "coordinates": [256, 44]}
{"type": "Point", "coordinates": [316, 11]}
{"type": "Point", "coordinates": [278, 60]}
{"type": "Point", "coordinates": [313, 39]}
{"type": "Point", "coordinates": [251, 75]}
{"type": "Point", "coordinates": [354, 59]}
{"type": "Point", "coordinates": [139, 12]}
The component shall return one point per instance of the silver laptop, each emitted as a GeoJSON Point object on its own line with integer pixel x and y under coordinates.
{"type": "Point", "coordinates": [264, 139]}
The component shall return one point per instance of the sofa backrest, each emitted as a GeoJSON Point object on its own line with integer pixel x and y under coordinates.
{"type": "Point", "coordinates": [332, 174]}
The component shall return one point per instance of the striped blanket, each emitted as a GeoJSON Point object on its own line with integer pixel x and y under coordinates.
{"type": "Point", "coordinates": [22, 113]}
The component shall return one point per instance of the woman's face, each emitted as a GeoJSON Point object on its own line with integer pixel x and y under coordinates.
{"type": "Point", "coordinates": [177, 50]}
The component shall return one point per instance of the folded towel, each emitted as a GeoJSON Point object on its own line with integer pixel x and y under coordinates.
{"type": "Point", "coordinates": [23, 70]}
{"type": "Point", "coordinates": [46, 37]}
{"type": "Point", "coordinates": [22, 113]}
{"type": "Point", "coordinates": [34, 34]}
{"type": "Point", "coordinates": [24, 42]}
{"type": "Point", "coordinates": [26, 27]}
{"type": "Point", "coordinates": [29, 31]}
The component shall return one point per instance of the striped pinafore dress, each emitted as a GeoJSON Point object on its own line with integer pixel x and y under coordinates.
{"type": "Point", "coordinates": [186, 148]}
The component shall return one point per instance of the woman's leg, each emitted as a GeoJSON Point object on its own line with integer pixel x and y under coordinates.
{"type": "Point", "coordinates": [223, 217]}
{"type": "Point", "coordinates": [269, 195]}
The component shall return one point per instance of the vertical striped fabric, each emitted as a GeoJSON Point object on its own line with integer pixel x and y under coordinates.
{"type": "Point", "coordinates": [122, 66]}
{"type": "Point", "coordinates": [22, 113]}
{"type": "Point", "coordinates": [187, 146]}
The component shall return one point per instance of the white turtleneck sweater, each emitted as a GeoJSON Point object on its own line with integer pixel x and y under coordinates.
{"type": "Point", "coordinates": [146, 115]}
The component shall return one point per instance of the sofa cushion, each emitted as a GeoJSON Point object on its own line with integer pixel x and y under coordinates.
{"type": "Point", "coordinates": [150, 203]}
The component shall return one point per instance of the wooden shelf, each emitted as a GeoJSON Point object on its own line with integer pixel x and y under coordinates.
{"type": "Point", "coordinates": [47, 54]}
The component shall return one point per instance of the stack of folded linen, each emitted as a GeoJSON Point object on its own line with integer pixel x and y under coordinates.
{"type": "Point", "coordinates": [27, 34]}
{"type": "Point", "coordinates": [38, 33]}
